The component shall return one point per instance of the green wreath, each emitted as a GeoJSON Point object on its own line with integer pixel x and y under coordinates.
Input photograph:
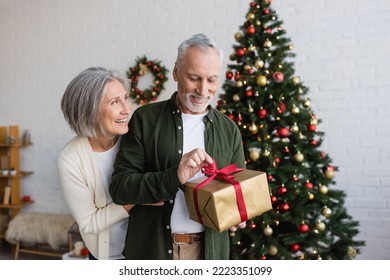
{"type": "Point", "coordinates": [142, 66]}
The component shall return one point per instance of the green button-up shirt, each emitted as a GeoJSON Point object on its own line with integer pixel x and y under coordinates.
{"type": "Point", "coordinates": [145, 171]}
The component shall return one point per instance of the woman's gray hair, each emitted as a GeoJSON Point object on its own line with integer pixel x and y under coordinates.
{"type": "Point", "coordinates": [200, 40]}
{"type": "Point", "coordinates": [81, 100]}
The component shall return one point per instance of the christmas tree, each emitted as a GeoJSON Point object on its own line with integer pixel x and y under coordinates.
{"type": "Point", "coordinates": [279, 130]}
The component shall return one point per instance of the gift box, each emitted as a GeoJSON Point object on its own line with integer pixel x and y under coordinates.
{"type": "Point", "coordinates": [219, 205]}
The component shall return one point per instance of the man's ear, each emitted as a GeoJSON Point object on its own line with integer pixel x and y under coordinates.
{"type": "Point", "coordinates": [174, 73]}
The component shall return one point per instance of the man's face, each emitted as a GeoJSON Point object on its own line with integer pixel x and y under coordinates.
{"type": "Point", "coordinates": [197, 77]}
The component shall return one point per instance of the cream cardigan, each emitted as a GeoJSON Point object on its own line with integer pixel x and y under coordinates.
{"type": "Point", "coordinates": [84, 193]}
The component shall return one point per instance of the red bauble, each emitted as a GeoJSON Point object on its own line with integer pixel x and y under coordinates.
{"type": "Point", "coordinates": [237, 76]}
{"type": "Point", "coordinates": [285, 206]}
{"type": "Point", "coordinates": [282, 190]}
{"type": "Point", "coordinates": [278, 77]}
{"type": "Point", "coordinates": [274, 199]}
{"type": "Point", "coordinates": [252, 226]}
{"type": "Point", "coordinates": [295, 247]}
{"type": "Point", "coordinates": [311, 127]}
{"type": "Point", "coordinates": [309, 185]}
{"type": "Point", "coordinates": [240, 52]}
{"type": "Point", "coordinates": [229, 75]}
{"type": "Point", "coordinates": [231, 116]}
{"type": "Point", "coordinates": [303, 228]}
{"type": "Point", "coordinates": [266, 11]}
{"type": "Point", "coordinates": [313, 142]}
{"type": "Point", "coordinates": [263, 258]}
{"type": "Point", "coordinates": [251, 30]}
{"type": "Point", "coordinates": [249, 92]}
{"type": "Point", "coordinates": [282, 132]}
{"type": "Point", "coordinates": [149, 63]}
{"type": "Point", "coordinates": [262, 113]}
{"type": "Point", "coordinates": [281, 108]}
{"type": "Point", "coordinates": [252, 4]}
{"type": "Point", "coordinates": [269, 177]}
{"type": "Point", "coordinates": [330, 167]}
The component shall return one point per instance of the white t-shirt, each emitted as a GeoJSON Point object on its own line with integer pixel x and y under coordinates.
{"type": "Point", "coordinates": [105, 163]}
{"type": "Point", "coordinates": [193, 137]}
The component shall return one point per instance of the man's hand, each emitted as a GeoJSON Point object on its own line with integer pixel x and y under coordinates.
{"type": "Point", "coordinates": [241, 225]}
{"type": "Point", "coordinates": [191, 163]}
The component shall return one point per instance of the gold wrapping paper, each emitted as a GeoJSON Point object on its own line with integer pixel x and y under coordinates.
{"type": "Point", "coordinates": [217, 200]}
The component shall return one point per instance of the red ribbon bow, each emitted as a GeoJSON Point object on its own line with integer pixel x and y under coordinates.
{"type": "Point", "coordinates": [225, 175]}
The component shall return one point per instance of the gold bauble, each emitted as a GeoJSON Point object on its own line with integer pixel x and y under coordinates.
{"type": "Point", "coordinates": [232, 234]}
{"type": "Point", "coordinates": [259, 63]}
{"type": "Point", "coordinates": [320, 226]}
{"type": "Point", "coordinates": [295, 80]}
{"type": "Point", "coordinates": [329, 174]}
{"type": "Point", "coordinates": [238, 36]}
{"type": "Point", "coordinates": [253, 245]}
{"type": "Point", "coordinates": [294, 128]}
{"type": "Point", "coordinates": [311, 196]}
{"type": "Point", "coordinates": [291, 47]}
{"type": "Point", "coordinates": [273, 250]}
{"type": "Point", "coordinates": [268, 231]}
{"type": "Point", "coordinates": [323, 189]}
{"type": "Point", "coordinates": [253, 128]}
{"type": "Point", "coordinates": [295, 110]}
{"type": "Point", "coordinates": [236, 97]}
{"type": "Point", "coordinates": [252, 48]}
{"type": "Point", "coordinates": [261, 80]}
{"type": "Point", "coordinates": [314, 121]}
{"type": "Point", "coordinates": [326, 212]}
{"type": "Point", "coordinates": [306, 103]}
{"type": "Point", "coordinates": [247, 67]}
{"type": "Point", "coordinates": [298, 157]}
{"type": "Point", "coordinates": [154, 93]}
{"type": "Point", "coordinates": [267, 44]}
{"type": "Point", "coordinates": [222, 110]}
{"type": "Point", "coordinates": [258, 22]}
{"type": "Point", "coordinates": [351, 252]}
{"type": "Point", "coordinates": [266, 153]}
{"type": "Point", "coordinates": [239, 83]}
{"type": "Point", "coordinates": [254, 154]}
{"type": "Point", "coordinates": [156, 82]}
{"type": "Point", "coordinates": [250, 16]}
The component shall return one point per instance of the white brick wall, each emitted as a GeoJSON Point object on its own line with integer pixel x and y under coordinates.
{"type": "Point", "coordinates": [343, 56]}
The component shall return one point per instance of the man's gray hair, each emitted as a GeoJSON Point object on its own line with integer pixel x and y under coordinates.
{"type": "Point", "coordinates": [200, 40]}
{"type": "Point", "coordinates": [82, 97]}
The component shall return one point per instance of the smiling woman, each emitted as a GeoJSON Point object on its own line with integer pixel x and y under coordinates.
{"type": "Point", "coordinates": [96, 106]}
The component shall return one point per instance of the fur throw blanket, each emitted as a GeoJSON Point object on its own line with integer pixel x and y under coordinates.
{"type": "Point", "coordinates": [35, 228]}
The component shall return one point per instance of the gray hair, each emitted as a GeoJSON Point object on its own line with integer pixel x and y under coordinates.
{"type": "Point", "coordinates": [199, 40]}
{"type": "Point", "coordinates": [81, 100]}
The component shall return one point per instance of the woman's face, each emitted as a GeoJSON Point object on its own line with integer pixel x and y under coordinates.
{"type": "Point", "coordinates": [114, 109]}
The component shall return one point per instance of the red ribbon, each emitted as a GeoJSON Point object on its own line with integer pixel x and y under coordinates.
{"type": "Point", "coordinates": [225, 175]}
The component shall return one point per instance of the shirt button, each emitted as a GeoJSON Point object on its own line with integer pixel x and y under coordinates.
{"type": "Point", "coordinates": [168, 227]}
{"type": "Point", "coordinates": [169, 251]}
{"type": "Point", "coordinates": [179, 151]}
{"type": "Point", "coordinates": [179, 127]}
{"type": "Point", "coordinates": [171, 201]}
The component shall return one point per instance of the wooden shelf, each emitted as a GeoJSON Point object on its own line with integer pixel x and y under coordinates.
{"type": "Point", "coordinates": [18, 175]}
{"type": "Point", "coordinates": [10, 159]}
{"type": "Point", "coordinates": [16, 206]}
{"type": "Point", "coordinates": [2, 145]}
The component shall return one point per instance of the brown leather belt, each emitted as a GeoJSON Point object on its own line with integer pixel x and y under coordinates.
{"type": "Point", "coordinates": [187, 238]}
